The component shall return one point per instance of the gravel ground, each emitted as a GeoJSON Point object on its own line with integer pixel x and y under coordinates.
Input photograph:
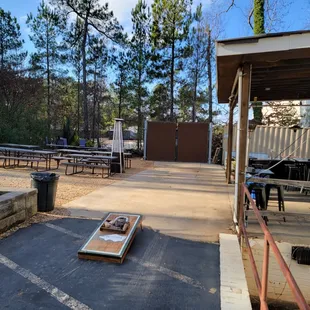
{"type": "Point", "coordinates": [69, 187]}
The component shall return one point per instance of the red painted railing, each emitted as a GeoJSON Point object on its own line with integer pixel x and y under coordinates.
{"type": "Point", "coordinates": [262, 284]}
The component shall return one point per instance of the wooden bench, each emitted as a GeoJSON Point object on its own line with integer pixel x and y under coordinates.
{"type": "Point", "coordinates": [60, 158]}
{"type": "Point", "coordinates": [24, 159]}
{"type": "Point", "coordinates": [85, 165]}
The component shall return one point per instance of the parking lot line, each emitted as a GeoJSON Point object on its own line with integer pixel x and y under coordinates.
{"type": "Point", "coordinates": [56, 293]}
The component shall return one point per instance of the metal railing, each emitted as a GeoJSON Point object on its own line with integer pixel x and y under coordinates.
{"type": "Point", "coordinates": [262, 284]}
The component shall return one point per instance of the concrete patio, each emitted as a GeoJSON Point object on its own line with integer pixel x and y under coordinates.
{"type": "Point", "coordinates": [184, 200]}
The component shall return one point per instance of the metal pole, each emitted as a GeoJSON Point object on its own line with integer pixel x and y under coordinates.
{"type": "Point", "coordinates": [145, 139]}
{"type": "Point", "coordinates": [120, 146]}
{"type": "Point", "coordinates": [299, 298]}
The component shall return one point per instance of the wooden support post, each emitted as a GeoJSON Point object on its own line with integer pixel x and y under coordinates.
{"type": "Point", "coordinates": [229, 142]}
{"type": "Point", "coordinates": [232, 105]}
{"type": "Point", "coordinates": [244, 114]}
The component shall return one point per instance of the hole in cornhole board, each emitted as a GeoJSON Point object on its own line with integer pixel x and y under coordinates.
{"type": "Point", "coordinates": [103, 245]}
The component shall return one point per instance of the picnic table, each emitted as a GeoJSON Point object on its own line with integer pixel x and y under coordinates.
{"type": "Point", "coordinates": [127, 155]}
{"type": "Point", "coordinates": [54, 145]}
{"type": "Point", "coordinates": [22, 146]}
{"type": "Point", "coordinates": [66, 151]}
{"type": "Point", "coordinates": [73, 147]}
{"type": "Point", "coordinates": [20, 154]}
{"type": "Point", "coordinates": [89, 161]}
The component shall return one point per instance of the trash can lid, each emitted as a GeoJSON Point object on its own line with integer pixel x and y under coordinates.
{"type": "Point", "coordinates": [44, 176]}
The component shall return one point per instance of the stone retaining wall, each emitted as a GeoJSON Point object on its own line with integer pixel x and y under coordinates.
{"type": "Point", "coordinates": [16, 205]}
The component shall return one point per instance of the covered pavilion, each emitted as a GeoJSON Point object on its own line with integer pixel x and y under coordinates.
{"type": "Point", "coordinates": [267, 67]}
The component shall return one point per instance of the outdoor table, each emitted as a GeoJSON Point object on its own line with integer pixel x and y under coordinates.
{"type": "Point", "coordinates": [23, 146]}
{"type": "Point", "coordinates": [102, 152]}
{"type": "Point", "coordinates": [62, 151]}
{"type": "Point", "coordinates": [104, 159]}
{"type": "Point", "coordinates": [47, 155]}
{"type": "Point", "coordinates": [110, 152]}
{"type": "Point", "coordinates": [57, 146]}
{"type": "Point", "coordinates": [19, 152]}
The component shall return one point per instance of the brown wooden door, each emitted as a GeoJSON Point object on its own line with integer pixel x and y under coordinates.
{"type": "Point", "coordinates": [160, 143]}
{"type": "Point", "coordinates": [193, 142]}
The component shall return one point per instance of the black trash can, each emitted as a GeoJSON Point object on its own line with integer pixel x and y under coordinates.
{"type": "Point", "coordinates": [46, 184]}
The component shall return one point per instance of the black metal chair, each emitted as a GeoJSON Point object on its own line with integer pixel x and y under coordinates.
{"type": "Point", "coordinates": [280, 196]}
{"type": "Point", "coordinates": [294, 173]}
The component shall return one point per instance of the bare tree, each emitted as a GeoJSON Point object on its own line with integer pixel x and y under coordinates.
{"type": "Point", "coordinates": [277, 113]}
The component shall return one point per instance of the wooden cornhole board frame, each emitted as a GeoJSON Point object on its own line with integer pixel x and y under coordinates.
{"type": "Point", "coordinates": [110, 251]}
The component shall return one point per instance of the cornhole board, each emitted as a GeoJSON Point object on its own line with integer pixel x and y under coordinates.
{"type": "Point", "coordinates": [96, 248]}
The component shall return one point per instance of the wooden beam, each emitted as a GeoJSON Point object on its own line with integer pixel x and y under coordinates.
{"type": "Point", "coordinates": [230, 142]}
{"type": "Point", "coordinates": [299, 68]}
{"type": "Point", "coordinates": [232, 105]}
{"type": "Point", "coordinates": [244, 114]}
{"type": "Point", "coordinates": [266, 82]}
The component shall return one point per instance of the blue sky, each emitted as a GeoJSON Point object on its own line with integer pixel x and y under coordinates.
{"type": "Point", "coordinates": [234, 22]}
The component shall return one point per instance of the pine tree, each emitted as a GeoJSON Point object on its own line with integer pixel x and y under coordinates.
{"type": "Point", "coordinates": [11, 54]}
{"type": "Point", "coordinates": [159, 103]}
{"type": "Point", "coordinates": [121, 85]}
{"type": "Point", "coordinates": [197, 63]}
{"type": "Point", "coordinates": [45, 29]}
{"type": "Point", "coordinates": [96, 18]}
{"type": "Point", "coordinates": [185, 102]}
{"type": "Point", "coordinates": [139, 60]}
{"type": "Point", "coordinates": [72, 43]}
{"type": "Point", "coordinates": [171, 22]}
{"type": "Point", "coordinates": [97, 58]}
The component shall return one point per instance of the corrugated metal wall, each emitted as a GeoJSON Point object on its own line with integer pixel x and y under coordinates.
{"type": "Point", "coordinates": [273, 140]}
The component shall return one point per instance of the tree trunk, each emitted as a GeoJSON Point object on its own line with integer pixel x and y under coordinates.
{"type": "Point", "coordinates": [78, 102]}
{"type": "Point", "coordinates": [195, 97]}
{"type": "Point", "coordinates": [259, 28]}
{"type": "Point", "coordinates": [85, 106]}
{"type": "Point", "coordinates": [48, 85]}
{"type": "Point", "coordinates": [139, 134]}
{"type": "Point", "coordinates": [2, 53]}
{"type": "Point", "coordinates": [94, 105]}
{"type": "Point", "coordinates": [172, 83]}
{"type": "Point", "coordinates": [209, 76]}
{"type": "Point", "coordinates": [259, 16]}
{"type": "Point", "coordinates": [120, 96]}
{"type": "Point", "coordinates": [98, 123]}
